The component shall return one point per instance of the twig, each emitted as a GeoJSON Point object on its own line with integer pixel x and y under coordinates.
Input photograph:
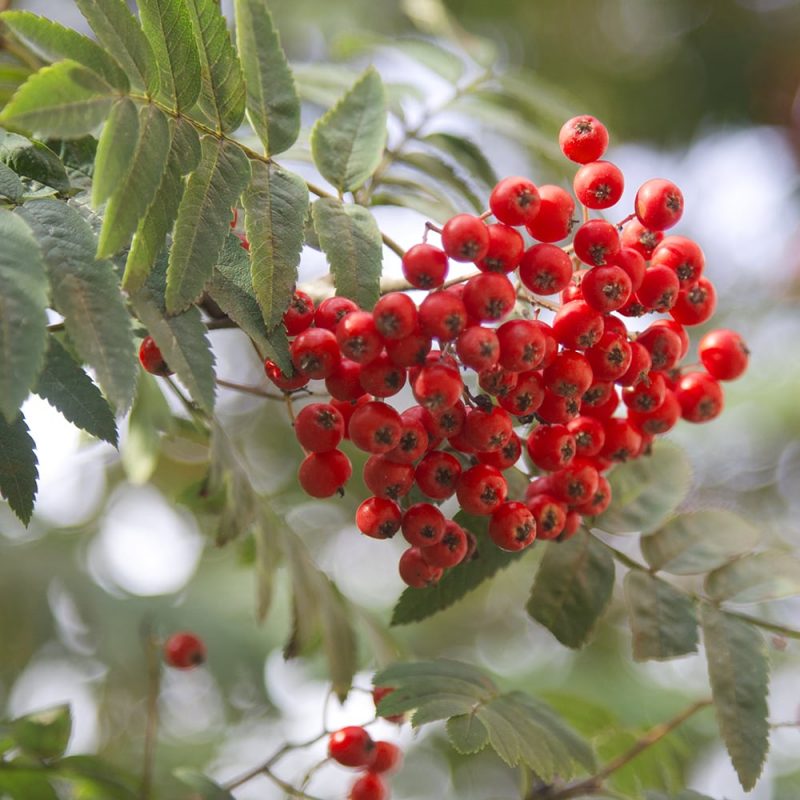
{"type": "Point", "coordinates": [151, 728]}
{"type": "Point", "coordinates": [254, 390]}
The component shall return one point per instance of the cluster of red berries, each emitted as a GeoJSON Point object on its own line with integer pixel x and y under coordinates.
{"type": "Point", "coordinates": [352, 746]}
{"type": "Point", "coordinates": [487, 386]}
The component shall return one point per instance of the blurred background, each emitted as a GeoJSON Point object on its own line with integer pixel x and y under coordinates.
{"type": "Point", "coordinates": [704, 92]}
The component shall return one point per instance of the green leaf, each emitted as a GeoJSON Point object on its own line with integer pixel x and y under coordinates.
{"type": "Point", "coordinates": [77, 156]}
{"type": "Point", "coordinates": [222, 93]}
{"type": "Point", "coordinates": [467, 734]}
{"type": "Point", "coordinates": [71, 391]}
{"type": "Point", "coordinates": [10, 185]}
{"type": "Point", "coordinates": [150, 415]}
{"type": "Point", "coordinates": [116, 150]}
{"type": "Point", "coordinates": [756, 578]}
{"type": "Point", "coordinates": [33, 160]}
{"type": "Point", "coordinates": [351, 241]}
{"type": "Point", "coordinates": [203, 220]}
{"type": "Point", "coordinates": [318, 606]}
{"type": "Point", "coordinates": [18, 472]}
{"type": "Point", "coordinates": [151, 235]}
{"type": "Point", "coordinates": [739, 673]}
{"type": "Point", "coordinates": [432, 55]}
{"type": "Point", "coordinates": [133, 195]}
{"type": "Point", "coordinates": [119, 32]}
{"type": "Point", "coordinates": [231, 288]}
{"type": "Point", "coordinates": [56, 42]}
{"type": "Point", "coordinates": [435, 207]}
{"type": "Point", "coordinates": [267, 536]}
{"type": "Point", "coordinates": [442, 172]}
{"type": "Point", "coordinates": [168, 28]}
{"type": "Point", "coordinates": [687, 794]}
{"type": "Point", "coordinates": [205, 787]}
{"type": "Point", "coordinates": [646, 491]}
{"type": "Point", "coordinates": [572, 588]}
{"type": "Point", "coordinates": [86, 292]}
{"type": "Point", "coordinates": [662, 619]}
{"type": "Point", "coordinates": [275, 206]}
{"type": "Point", "coordinates": [115, 784]}
{"type": "Point", "coordinates": [26, 784]}
{"type": "Point", "coordinates": [691, 544]}
{"type": "Point", "coordinates": [464, 152]}
{"type": "Point", "coordinates": [182, 339]}
{"type": "Point", "coordinates": [44, 734]}
{"type": "Point", "coordinates": [347, 142]}
{"type": "Point", "coordinates": [23, 319]}
{"type": "Point", "coordinates": [65, 100]}
{"type": "Point", "coordinates": [418, 604]}
{"type": "Point", "coordinates": [12, 76]}
{"type": "Point", "coordinates": [273, 106]}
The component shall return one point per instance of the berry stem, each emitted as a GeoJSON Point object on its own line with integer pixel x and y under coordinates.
{"type": "Point", "coordinates": [254, 390]}
{"type": "Point", "coordinates": [152, 656]}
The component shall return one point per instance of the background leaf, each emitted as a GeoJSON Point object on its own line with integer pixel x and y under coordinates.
{"type": "Point", "coordinates": [690, 544]}
{"type": "Point", "coordinates": [150, 415]}
{"type": "Point", "coordinates": [44, 734]}
{"type": "Point", "coordinates": [275, 206]}
{"type": "Point", "coordinates": [168, 28]}
{"type": "Point", "coordinates": [662, 619]}
{"type": "Point", "coordinates": [755, 578]}
{"type": "Point", "coordinates": [18, 472]}
{"type": "Point", "coordinates": [119, 32]}
{"type": "Point", "coordinates": [135, 192]}
{"type": "Point", "coordinates": [222, 93]}
{"type": "Point", "coordinates": [205, 787]}
{"type": "Point", "coordinates": [464, 152]}
{"type": "Point", "coordinates": [572, 588]}
{"type": "Point", "coordinates": [739, 673]}
{"type": "Point", "coordinates": [347, 143]}
{"type": "Point", "coordinates": [57, 41]}
{"type": "Point", "coordinates": [10, 185]}
{"type": "Point", "coordinates": [273, 106]}
{"type": "Point", "coordinates": [23, 299]}
{"type": "Point", "coordinates": [203, 220]}
{"type": "Point", "coordinates": [418, 604]}
{"type": "Point", "coordinates": [65, 100]}
{"type": "Point", "coordinates": [116, 150]}
{"type": "Point", "coordinates": [30, 159]}
{"type": "Point", "coordinates": [647, 490]}
{"type": "Point", "coordinates": [71, 391]}
{"type": "Point", "coordinates": [351, 240]}
{"type": "Point", "coordinates": [86, 292]}
{"type": "Point", "coordinates": [441, 171]}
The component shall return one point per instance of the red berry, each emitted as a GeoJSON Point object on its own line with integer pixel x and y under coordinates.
{"type": "Point", "coordinates": [550, 343]}
{"type": "Point", "coordinates": [623, 441]}
{"type": "Point", "coordinates": [545, 269]}
{"type": "Point", "coordinates": [381, 377]}
{"type": "Point", "coordinates": [600, 401]}
{"type": "Point", "coordinates": [410, 351]}
{"type": "Point", "coordinates": [449, 422]}
{"type": "Point", "coordinates": [347, 408]}
{"type": "Point", "coordinates": [512, 526]}
{"type": "Point", "coordinates": [577, 325]}
{"type": "Point", "coordinates": [387, 758]}
{"type": "Point", "coordinates": [598, 184]}
{"type": "Point", "coordinates": [571, 526]}
{"type": "Point", "coordinates": [724, 354]}
{"type": "Point", "coordinates": [437, 474]}
{"type": "Point", "coordinates": [450, 550]}
{"type": "Point", "coordinates": [663, 344]}
{"type": "Point", "coordinates": [659, 289]}
{"type": "Point", "coordinates": [526, 396]}
{"type": "Point", "coordinates": [423, 524]}
{"type": "Point", "coordinates": [583, 139]}
{"type": "Point", "coordinates": [386, 478]}
{"type": "Point", "coordinates": [378, 517]}
{"type": "Point", "coordinates": [633, 264]}
{"type": "Point", "coordinates": [478, 348]}
{"type": "Point", "coordinates": [425, 266]}
{"type": "Point", "coordinates": [481, 489]}
{"type": "Point", "coordinates": [415, 571]}
{"type": "Point", "coordinates": [486, 431]}
{"type": "Point", "coordinates": [639, 238]}
{"type": "Point", "coordinates": [465, 238]}
{"type": "Point", "coordinates": [550, 515]}
{"type": "Point", "coordinates": [505, 457]}
{"type": "Point", "coordinates": [151, 359]}
{"type": "Point", "coordinates": [570, 374]}
{"type": "Point", "coordinates": [300, 313]}
{"type": "Point", "coordinates": [358, 337]}
{"type": "Point", "coordinates": [589, 435]}
{"type": "Point", "coordinates": [677, 328]}
{"type": "Point", "coordinates": [184, 650]}
{"type": "Point", "coordinates": [695, 304]}
{"type": "Point", "coordinates": [596, 242]}
{"type": "Point", "coordinates": [551, 447]}
{"type": "Point", "coordinates": [599, 501]}
{"type": "Point", "coordinates": [611, 357]}
{"type": "Point", "coordinates": [331, 311]}
{"type": "Point", "coordinates": [515, 201]}
{"type": "Point", "coordinates": [497, 380]}
{"type": "Point", "coordinates": [414, 438]}
{"type": "Point", "coordinates": [324, 474]}
{"type": "Point", "coordinates": [557, 409]}
{"type": "Point", "coordinates": [576, 483]}
{"type": "Point", "coordinates": [319, 427]}
{"type": "Point", "coordinates": [315, 353]}
{"type": "Point", "coordinates": [505, 249]}
{"type": "Point", "coordinates": [442, 316]}
{"type": "Point", "coordinates": [658, 204]}
{"type": "Point", "coordinates": [522, 345]}
{"type": "Point", "coordinates": [378, 693]}
{"type": "Point", "coordinates": [351, 747]}
{"type": "Point", "coordinates": [647, 395]}
{"type": "Point", "coordinates": [555, 218]}
{"type": "Point", "coordinates": [489, 296]}
{"type": "Point", "coordinates": [283, 382]}
{"type": "Point", "coordinates": [437, 387]}
{"type": "Point", "coordinates": [606, 289]}
{"type": "Point", "coordinates": [395, 316]}
{"type": "Point", "coordinates": [700, 397]}
{"type": "Point", "coordinates": [344, 383]}
{"type": "Point", "coordinates": [683, 256]}
{"type": "Point", "coordinates": [375, 427]}
{"type": "Point", "coordinates": [660, 420]}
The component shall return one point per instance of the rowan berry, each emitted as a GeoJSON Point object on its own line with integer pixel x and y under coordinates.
{"type": "Point", "coordinates": [632, 263]}
{"type": "Point", "coordinates": [481, 489]}
{"type": "Point", "coordinates": [606, 289]}
{"type": "Point", "coordinates": [683, 256]}
{"type": "Point", "coordinates": [395, 316]}
{"type": "Point", "coordinates": [151, 359]}
{"type": "Point", "coordinates": [550, 515]}
{"type": "Point", "coordinates": [639, 238]}
{"type": "Point", "coordinates": [611, 357]}
{"type": "Point", "coordinates": [315, 353]}
{"type": "Point", "coordinates": [286, 383]}
{"type": "Point", "coordinates": [506, 247]}
{"type": "Point", "coordinates": [442, 316]}
{"type": "Point", "coordinates": [700, 397]}
{"type": "Point", "coordinates": [388, 479]}
{"type": "Point", "coordinates": [450, 550]}
{"type": "Point", "coordinates": [527, 395]}
{"type": "Point", "coordinates": [596, 242]}
{"type": "Point", "coordinates": [598, 184]}
{"type": "Point", "coordinates": [522, 345]}
{"type": "Point", "coordinates": [414, 440]}
{"type": "Point", "coordinates": [487, 431]}
{"type": "Point", "coordinates": [378, 693]}
{"type": "Point", "coordinates": [576, 483]}
{"type": "Point", "coordinates": [410, 351]}
{"type": "Point", "coordinates": [379, 517]}
{"type": "Point", "coordinates": [332, 310]}
{"type": "Point", "coordinates": [375, 427]}
{"type": "Point", "coordinates": [557, 409]}
{"type": "Point", "coordinates": [578, 325]}
{"type": "Point", "coordinates": [638, 367]}
{"type": "Point", "coordinates": [381, 377]}
{"type": "Point", "coordinates": [324, 474]}
{"type": "Point", "coordinates": [344, 383]}
{"type": "Point", "coordinates": [599, 501]}
{"type": "Point", "coordinates": [351, 746]}
{"type": "Point", "coordinates": [647, 395]}
{"type": "Point", "coordinates": [448, 422]}
{"type": "Point", "coordinates": [551, 447]}
{"type": "Point", "coordinates": [423, 524]}
{"type": "Point", "coordinates": [572, 525]}
{"type": "Point", "coordinates": [497, 380]}
{"type": "Point", "coordinates": [437, 387]}
{"type": "Point", "coordinates": [570, 374]}
{"type": "Point", "coordinates": [661, 419]}
{"type": "Point", "coordinates": [545, 269]}
{"type": "Point", "coordinates": [724, 354]}
{"type": "Point", "coordinates": [465, 238]}
{"type": "Point", "coordinates": [659, 289]}
{"type": "Point", "coordinates": [358, 337]}
{"type": "Point", "coordinates": [622, 442]}
{"type": "Point", "coordinates": [583, 139]}
{"type": "Point", "coordinates": [437, 474]}
{"type": "Point", "coordinates": [515, 201]}
{"type": "Point", "coordinates": [512, 527]}
{"type": "Point", "coordinates": [184, 650]}
{"type": "Point", "coordinates": [386, 758]}
{"type": "Point", "coordinates": [478, 348]}
{"type": "Point", "coordinates": [505, 457]}
{"type": "Point", "coordinates": [589, 435]}
{"type": "Point", "coordinates": [696, 303]}
{"type": "Point", "coordinates": [300, 313]}
{"type": "Point", "coordinates": [555, 218]}
{"type": "Point", "coordinates": [489, 296]}
{"type": "Point", "coordinates": [425, 266]}
{"type": "Point", "coordinates": [415, 571]}
{"type": "Point", "coordinates": [658, 204]}
{"type": "Point", "coordinates": [319, 427]}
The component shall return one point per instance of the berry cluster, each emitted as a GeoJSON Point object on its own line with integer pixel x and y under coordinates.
{"type": "Point", "coordinates": [352, 746]}
{"type": "Point", "coordinates": [579, 393]}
